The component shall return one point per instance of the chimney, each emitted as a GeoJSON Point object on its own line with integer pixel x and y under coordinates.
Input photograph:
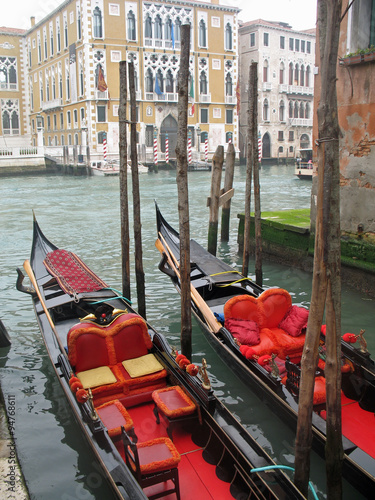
{"type": "Point", "coordinates": [32, 21]}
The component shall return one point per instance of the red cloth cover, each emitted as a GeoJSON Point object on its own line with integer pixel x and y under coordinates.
{"type": "Point", "coordinates": [245, 331]}
{"type": "Point", "coordinates": [71, 273]}
{"type": "Point", "coordinates": [295, 321]}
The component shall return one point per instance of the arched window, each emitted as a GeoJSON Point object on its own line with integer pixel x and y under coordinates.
{"type": "Point", "coordinates": [229, 137]}
{"type": "Point", "coordinates": [158, 28]}
{"type": "Point", "coordinates": [301, 110]}
{"type": "Point", "coordinates": [6, 122]}
{"type": "Point", "coordinates": [282, 71]}
{"type": "Point", "coordinates": [169, 82]}
{"type": "Point", "coordinates": [98, 23]}
{"type": "Point", "coordinates": [296, 75]}
{"type": "Point", "coordinates": [307, 111]}
{"type": "Point", "coordinates": [168, 29]}
{"type": "Point", "coordinates": [266, 110]}
{"type": "Point", "coordinates": [291, 74]}
{"type": "Point", "coordinates": [159, 76]}
{"type": "Point", "coordinates": [228, 37]}
{"type": "Point", "coordinates": [282, 111]}
{"type": "Point", "coordinates": [177, 30]}
{"type": "Point", "coordinates": [290, 109]}
{"type": "Point", "coordinates": [228, 85]}
{"type": "Point", "coordinates": [308, 72]}
{"type": "Point", "coordinates": [296, 110]}
{"type": "Point", "coordinates": [203, 83]}
{"type": "Point", "coordinates": [131, 26]}
{"type": "Point", "coordinates": [202, 34]}
{"type": "Point", "coordinates": [149, 81]}
{"type": "Point", "coordinates": [302, 76]}
{"type": "Point", "coordinates": [148, 27]}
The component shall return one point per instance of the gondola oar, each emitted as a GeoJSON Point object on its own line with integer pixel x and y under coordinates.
{"type": "Point", "coordinates": [201, 304]}
{"type": "Point", "coordinates": [31, 275]}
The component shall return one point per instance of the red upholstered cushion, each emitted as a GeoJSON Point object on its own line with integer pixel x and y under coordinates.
{"type": "Point", "coordinates": [173, 402]}
{"type": "Point", "coordinates": [245, 331]}
{"type": "Point", "coordinates": [90, 352]}
{"type": "Point", "coordinates": [295, 321]}
{"type": "Point", "coordinates": [157, 455]}
{"type": "Point", "coordinates": [319, 391]}
{"type": "Point", "coordinates": [132, 341]}
{"type": "Point", "coordinates": [242, 307]}
{"type": "Point", "coordinates": [266, 345]}
{"type": "Point", "coordinates": [274, 304]}
{"type": "Point", "coordinates": [114, 415]}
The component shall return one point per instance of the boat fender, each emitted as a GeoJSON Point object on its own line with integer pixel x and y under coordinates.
{"type": "Point", "coordinates": [192, 369]}
{"type": "Point", "coordinates": [350, 338]}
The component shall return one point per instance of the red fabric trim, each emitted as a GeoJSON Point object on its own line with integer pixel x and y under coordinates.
{"type": "Point", "coordinates": [157, 447]}
{"type": "Point", "coordinates": [114, 415]}
{"type": "Point", "coordinates": [71, 273]}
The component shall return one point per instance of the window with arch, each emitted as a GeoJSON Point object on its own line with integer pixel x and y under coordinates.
{"type": "Point", "coordinates": [308, 73]}
{"type": "Point", "coordinates": [307, 111]}
{"type": "Point", "coordinates": [265, 71]}
{"type": "Point", "coordinates": [52, 48]}
{"type": "Point", "coordinates": [302, 76]}
{"type": "Point", "coordinates": [41, 88]}
{"type": "Point", "coordinates": [228, 37]}
{"type": "Point", "coordinates": [81, 75]}
{"type": "Point", "coordinates": [202, 34]}
{"type": "Point", "coordinates": [228, 85]}
{"type": "Point", "coordinates": [10, 116]}
{"type": "Point", "coordinates": [158, 28]}
{"type": "Point", "coordinates": [58, 35]}
{"type": "Point", "coordinates": [291, 73]}
{"type": "Point", "coordinates": [301, 110]}
{"type": "Point", "coordinates": [159, 76]}
{"type": "Point", "coordinates": [296, 75]}
{"type": "Point", "coordinates": [203, 87]}
{"type": "Point", "coordinates": [149, 83]}
{"type": "Point", "coordinates": [168, 29]}
{"type": "Point", "coordinates": [229, 137]}
{"type": "Point", "coordinates": [169, 82]}
{"type": "Point", "coordinates": [148, 27]}
{"type": "Point", "coordinates": [131, 29]}
{"type": "Point", "coordinates": [53, 85]}
{"type": "Point", "coordinates": [282, 111]}
{"type": "Point", "coordinates": [66, 41]}
{"type": "Point", "coordinates": [282, 71]}
{"type": "Point", "coordinates": [8, 73]}
{"type": "Point", "coordinates": [45, 44]}
{"type": "Point", "coordinates": [290, 109]}
{"type": "Point", "coordinates": [98, 23]}
{"type": "Point", "coordinates": [76, 140]}
{"type": "Point", "coordinates": [79, 23]}
{"type": "Point", "coordinates": [70, 139]}
{"type": "Point", "coordinates": [266, 110]}
{"type": "Point", "coordinates": [296, 110]}
{"type": "Point", "coordinates": [177, 30]}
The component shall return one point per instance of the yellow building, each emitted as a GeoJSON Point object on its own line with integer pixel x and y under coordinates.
{"type": "Point", "coordinates": [72, 76]}
{"type": "Point", "coordinates": [14, 127]}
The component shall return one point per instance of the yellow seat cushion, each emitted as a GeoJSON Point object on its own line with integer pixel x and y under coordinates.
{"type": "Point", "coordinates": [144, 365]}
{"type": "Point", "coordinates": [96, 377]}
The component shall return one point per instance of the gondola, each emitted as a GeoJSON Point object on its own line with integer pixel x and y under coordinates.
{"type": "Point", "coordinates": [149, 415]}
{"type": "Point", "coordinates": [260, 336]}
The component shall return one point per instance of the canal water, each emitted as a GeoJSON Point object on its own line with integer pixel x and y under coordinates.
{"type": "Point", "coordinates": [81, 214]}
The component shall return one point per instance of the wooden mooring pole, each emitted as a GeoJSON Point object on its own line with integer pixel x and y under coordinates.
{"type": "Point", "coordinates": [213, 201]}
{"type": "Point", "coordinates": [228, 185]}
{"type": "Point", "coordinates": [182, 189]}
{"type": "Point", "coordinates": [139, 273]}
{"type": "Point", "coordinates": [124, 201]}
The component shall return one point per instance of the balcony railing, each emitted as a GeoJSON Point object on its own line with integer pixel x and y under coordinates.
{"type": "Point", "coordinates": [301, 122]}
{"type": "Point", "coordinates": [101, 96]}
{"type": "Point", "coordinates": [8, 86]}
{"type": "Point", "coordinates": [206, 98]}
{"type": "Point", "coordinates": [230, 99]}
{"type": "Point", "coordinates": [298, 89]}
{"type": "Point", "coordinates": [52, 104]}
{"type": "Point", "coordinates": [267, 86]}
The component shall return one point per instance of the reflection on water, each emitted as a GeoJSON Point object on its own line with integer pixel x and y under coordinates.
{"type": "Point", "coordinates": [82, 215]}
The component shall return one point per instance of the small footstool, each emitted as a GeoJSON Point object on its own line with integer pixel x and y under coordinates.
{"type": "Point", "coordinates": [114, 415]}
{"type": "Point", "coordinates": [174, 405]}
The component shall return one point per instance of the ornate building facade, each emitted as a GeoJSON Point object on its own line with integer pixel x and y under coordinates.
{"type": "Point", "coordinates": [71, 72]}
{"type": "Point", "coordinates": [285, 60]}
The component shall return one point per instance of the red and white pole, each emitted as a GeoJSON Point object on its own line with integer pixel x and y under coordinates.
{"type": "Point", "coordinates": [189, 149]}
{"type": "Point", "coordinates": [105, 147]}
{"type": "Point", "coordinates": [259, 147]}
{"type": "Point", "coordinates": [155, 148]}
{"type": "Point", "coordinates": [166, 149]}
{"type": "Point", "coordinates": [206, 149]}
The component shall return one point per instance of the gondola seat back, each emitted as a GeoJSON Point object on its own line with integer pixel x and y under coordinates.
{"type": "Point", "coordinates": [97, 354]}
{"type": "Point", "coordinates": [280, 324]}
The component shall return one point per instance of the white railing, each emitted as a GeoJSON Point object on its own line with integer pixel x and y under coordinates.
{"type": "Point", "coordinates": [230, 99]}
{"type": "Point", "coordinates": [8, 86]}
{"type": "Point", "coordinates": [267, 86]}
{"type": "Point", "coordinates": [52, 104]}
{"type": "Point", "coordinates": [21, 151]}
{"type": "Point", "coordinates": [206, 98]}
{"type": "Point", "coordinates": [297, 89]}
{"type": "Point", "coordinates": [101, 96]}
{"type": "Point", "coordinates": [301, 122]}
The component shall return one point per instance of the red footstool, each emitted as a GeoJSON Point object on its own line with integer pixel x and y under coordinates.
{"type": "Point", "coordinates": [114, 415]}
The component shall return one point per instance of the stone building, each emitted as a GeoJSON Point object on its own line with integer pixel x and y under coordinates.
{"type": "Point", "coordinates": [71, 78]}
{"type": "Point", "coordinates": [14, 126]}
{"type": "Point", "coordinates": [285, 60]}
{"type": "Point", "coordinates": [356, 111]}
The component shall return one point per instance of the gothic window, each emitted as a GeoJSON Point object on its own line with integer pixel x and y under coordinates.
{"type": "Point", "coordinates": [266, 110]}
{"type": "Point", "coordinates": [168, 29]}
{"type": "Point", "coordinates": [10, 116]}
{"type": "Point", "coordinates": [148, 27]}
{"type": "Point", "coordinates": [131, 26]}
{"type": "Point", "coordinates": [228, 37]}
{"type": "Point", "coordinates": [169, 82]}
{"type": "Point", "coordinates": [291, 109]}
{"type": "Point", "coordinates": [203, 83]}
{"type": "Point", "coordinates": [149, 81]}
{"type": "Point", "coordinates": [51, 40]}
{"type": "Point", "coordinates": [296, 110]}
{"type": "Point", "coordinates": [282, 71]}
{"type": "Point", "coordinates": [228, 85]}
{"type": "Point", "coordinates": [58, 36]}
{"type": "Point", "coordinates": [307, 111]}
{"type": "Point", "coordinates": [8, 73]}
{"type": "Point", "coordinates": [308, 76]}
{"type": "Point", "coordinates": [301, 110]}
{"type": "Point", "coordinates": [302, 76]}
{"type": "Point", "coordinates": [98, 23]}
{"type": "Point", "coordinates": [45, 45]}
{"type": "Point", "coordinates": [296, 74]}
{"type": "Point", "coordinates": [290, 73]}
{"type": "Point", "coordinates": [202, 34]}
{"type": "Point", "coordinates": [79, 24]}
{"type": "Point", "coordinates": [41, 90]}
{"type": "Point", "coordinates": [177, 30]}
{"type": "Point", "coordinates": [159, 76]}
{"type": "Point", "coordinates": [158, 28]}
{"type": "Point", "coordinates": [282, 111]}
